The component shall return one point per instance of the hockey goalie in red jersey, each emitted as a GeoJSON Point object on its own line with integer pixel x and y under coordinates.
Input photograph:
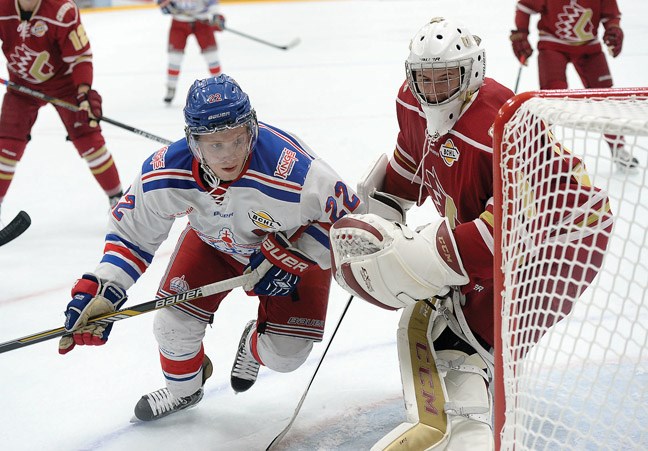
{"type": "Point", "coordinates": [48, 51]}
{"type": "Point", "coordinates": [441, 275]}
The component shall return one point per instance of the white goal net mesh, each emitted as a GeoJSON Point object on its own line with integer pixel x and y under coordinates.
{"type": "Point", "coordinates": [574, 262]}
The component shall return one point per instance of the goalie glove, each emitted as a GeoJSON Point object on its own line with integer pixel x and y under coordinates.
{"type": "Point", "coordinates": [391, 266]}
{"type": "Point", "coordinates": [90, 298]}
{"type": "Point", "coordinates": [276, 267]}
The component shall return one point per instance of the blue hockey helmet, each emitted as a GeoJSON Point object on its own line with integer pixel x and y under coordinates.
{"type": "Point", "coordinates": [216, 104]}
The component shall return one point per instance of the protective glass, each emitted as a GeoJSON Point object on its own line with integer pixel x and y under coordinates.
{"type": "Point", "coordinates": [222, 144]}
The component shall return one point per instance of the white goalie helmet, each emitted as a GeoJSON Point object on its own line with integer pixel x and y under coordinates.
{"type": "Point", "coordinates": [444, 69]}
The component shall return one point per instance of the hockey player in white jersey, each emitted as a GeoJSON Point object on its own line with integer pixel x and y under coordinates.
{"type": "Point", "coordinates": [252, 193]}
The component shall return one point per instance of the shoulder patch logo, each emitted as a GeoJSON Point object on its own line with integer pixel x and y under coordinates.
{"type": "Point", "coordinates": [286, 163]}
{"type": "Point", "coordinates": [157, 162]}
{"type": "Point", "coordinates": [263, 219]}
{"type": "Point", "coordinates": [449, 153]}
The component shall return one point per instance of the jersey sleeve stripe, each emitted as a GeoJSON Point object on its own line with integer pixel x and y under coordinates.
{"type": "Point", "coordinates": [404, 172]}
{"type": "Point", "coordinates": [117, 240]}
{"type": "Point", "coordinates": [485, 233]}
{"type": "Point", "coordinates": [320, 236]}
{"type": "Point", "coordinates": [126, 254]}
{"type": "Point", "coordinates": [123, 265]}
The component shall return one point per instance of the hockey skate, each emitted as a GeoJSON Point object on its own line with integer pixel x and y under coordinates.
{"type": "Point", "coordinates": [160, 403]}
{"type": "Point", "coordinates": [170, 94]}
{"type": "Point", "coordinates": [245, 368]}
{"type": "Point", "coordinates": [623, 159]}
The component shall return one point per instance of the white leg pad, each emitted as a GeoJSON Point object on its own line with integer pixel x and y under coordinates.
{"type": "Point", "coordinates": [283, 354]}
{"type": "Point", "coordinates": [446, 397]}
{"type": "Point", "coordinates": [469, 404]}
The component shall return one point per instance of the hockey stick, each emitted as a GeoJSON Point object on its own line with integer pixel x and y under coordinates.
{"type": "Point", "coordinates": [517, 81]}
{"type": "Point", "coordinates": [155, 304]}
{"type": "Point", "coordinates": [288, 46]}
{"type": "Point", "coordinates": [15, 228]}
{"type": "Point", "coordinates": [72, 107]}
{"type": "Point", "coordinates": [285, 430]}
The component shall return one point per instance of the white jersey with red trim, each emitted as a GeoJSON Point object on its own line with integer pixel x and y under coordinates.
{"type": "Point", "coordinates": [192, 10]}
{"type": "Point", "coordinates": [283, 187]}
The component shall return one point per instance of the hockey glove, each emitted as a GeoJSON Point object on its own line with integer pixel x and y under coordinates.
{"type": "Point", "coordinates": [89, 107]}
{"type": "Point", "coordinates": [613, 38]}
{"type": "Point", "coordinates": [277, 267]}
{"type": "Point", "coordinates": [167, 7]}
{"type": "Point", "coordinates": [90, 297]}
{"type": "Point", "coordinates": [217, 22]}
{"type": "Point", "coordinates": [521, 47]}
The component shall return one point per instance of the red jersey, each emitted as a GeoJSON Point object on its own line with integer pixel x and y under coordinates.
{"type": "Point", "coordinates": [568, 22]}
{"type": "Point", "coordinates": [48, 51]}
{"type": "Point", "coordinates": [456, 172]}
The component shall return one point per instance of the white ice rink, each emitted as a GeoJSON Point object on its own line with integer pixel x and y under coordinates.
{"type": "Point", "coordinates": [337, 91]}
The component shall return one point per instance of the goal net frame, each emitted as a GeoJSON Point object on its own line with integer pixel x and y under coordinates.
{"type": "Point", "coordinates": [505, 414]}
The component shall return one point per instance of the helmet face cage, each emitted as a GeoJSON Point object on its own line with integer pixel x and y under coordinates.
{"type": "Point", "coordinates": [193, 133]}
{"type": "Point", "coordinates": [445, 64]}
{"type": "Point", "coordinates": [214, 105]}
{"type": "Point", "coordinates": [438, 83]}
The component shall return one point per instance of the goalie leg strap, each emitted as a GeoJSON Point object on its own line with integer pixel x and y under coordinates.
{"type": "Point", "coordinates": [458, 324]}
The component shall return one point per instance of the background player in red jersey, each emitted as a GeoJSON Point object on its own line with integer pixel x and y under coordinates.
{"type": "Point", "coordinates": [47, 50]}
{"type": "Point", "coordinates": [200, 18]}
{"type": "Point", "coordinates": [445, 111]}
{"type": "Point", "coordinates": [568, 33]}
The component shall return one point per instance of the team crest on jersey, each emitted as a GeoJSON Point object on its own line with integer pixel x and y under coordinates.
{"type": "Point", "coordinates": [286, 163]}
{"type": "Point", "coordinates": [178, 284]}
{"type": "Point", "coordinates": [39, 29]}
{"type": "Point", "coordinates": [449, 153]}
{"type": "Point", "coordinates": [157, 162]}
{"type": "Point", "coordinates": [263, 219]}
{"type": "Point", "coordinates": [225, 242]}
{"type": "Point", "coordinates": [22, 62]}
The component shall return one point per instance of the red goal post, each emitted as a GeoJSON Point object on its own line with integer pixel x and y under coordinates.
{"type": "Point", "coordinates": [571, 370]}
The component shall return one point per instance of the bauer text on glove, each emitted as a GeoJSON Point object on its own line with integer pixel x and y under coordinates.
{"type": "Point", "coordinates": [276, 267]}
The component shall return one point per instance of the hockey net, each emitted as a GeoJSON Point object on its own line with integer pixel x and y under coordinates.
{"type": "Point", "coordinates": [571, 313]}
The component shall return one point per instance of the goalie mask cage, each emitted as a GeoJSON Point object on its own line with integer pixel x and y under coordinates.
{"type": "Point", "coordinates": [571, 358]}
